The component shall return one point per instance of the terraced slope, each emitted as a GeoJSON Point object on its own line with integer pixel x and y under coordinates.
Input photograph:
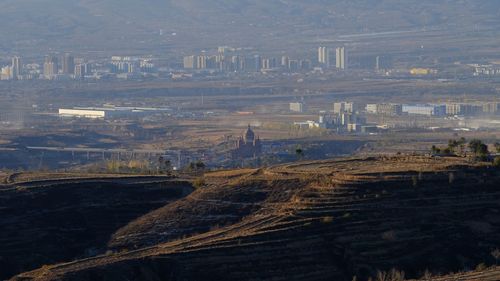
{"type": "Point", "coordinates": [50, 221]}
{"type": "Point", "coordinates": [328, 220]}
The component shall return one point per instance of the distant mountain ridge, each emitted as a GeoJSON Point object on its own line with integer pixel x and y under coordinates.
{"type": "Point", "coordinates": [92, 23]}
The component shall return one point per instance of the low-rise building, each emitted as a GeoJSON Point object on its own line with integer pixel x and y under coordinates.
{"type": "Point", "coordinates": [389, 109]}
{"type": "Point", "coordinates": [353, 127]}
{"type": "Point", "coordinates": [422, 71]}
{"type": "Point", "coordinates": [465, 109]}
{"type": "Point", "coordinates": [491, 108]}
{"type": "Point", "coordinates": [369, 129]}
{"type": "Point", "coordinates": [371, 108]}
{"type": "Point", "coordinates": [306, 125]}
{"type": "Point", "coordinates": [297, 107]}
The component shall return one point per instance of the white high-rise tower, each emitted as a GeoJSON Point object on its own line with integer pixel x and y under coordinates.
{"type": "Point", "coordinates": [324, 56]}
{"type": "Point", "coordinates": [341, 58]}
{"type": "Point", "coordinates": [16, 67]}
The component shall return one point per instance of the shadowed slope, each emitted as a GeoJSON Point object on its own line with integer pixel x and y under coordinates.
{"type": "Point", "coordinates": [52, 221]}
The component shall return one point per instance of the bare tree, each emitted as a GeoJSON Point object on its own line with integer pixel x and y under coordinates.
{"type": "Point", "coordinates": [393, 275]}
{"type": "Point", "coordinates": [496, 254]}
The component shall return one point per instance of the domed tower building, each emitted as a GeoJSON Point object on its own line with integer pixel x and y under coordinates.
{"type": "Point", "coordinates": [248, 145]}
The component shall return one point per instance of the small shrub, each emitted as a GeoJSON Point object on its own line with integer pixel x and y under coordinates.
{"type": "Point", "coordinates": [414, 181]}
{"type": "Point", "coordinates": [481, 267]}
{"type": "Point", "coordinates": [496, 255]}
{"type": "Point", "coordinates": [496, 162]}
{"type": "Point", "coordinates": [389, 235]}
{"type": "Point", "coordinates": [327, 219]}
{"type": "Point", "coordinates": [451, 178]}
{"type": "Point", "coordinates": [497, 147]}
{"type": "Point", "coordinates": [393, 275]}
{"type": "Point", "coordinates": [199, 183]}
{"type": "Point", "coordinates": [427, 275]}
{"type": "Point", "coordinates": [479, 149]}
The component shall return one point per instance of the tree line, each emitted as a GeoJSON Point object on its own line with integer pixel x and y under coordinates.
{"type": "Point", "coordinates": [475, 148]}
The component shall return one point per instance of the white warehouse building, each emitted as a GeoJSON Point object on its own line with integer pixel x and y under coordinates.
{"type": "Point", "coordinates": [110, 112]}
{"type": "Point", "coordinates": [82, 113]}
{"type": "Point", "coordinates": [425, 109]}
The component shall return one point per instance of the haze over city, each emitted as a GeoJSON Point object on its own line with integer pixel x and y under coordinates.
{"type": "Point", "coordinates": [249, 140]}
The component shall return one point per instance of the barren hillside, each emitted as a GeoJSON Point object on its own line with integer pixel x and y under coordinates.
{"type": "Point", "coordinates": [328, 220]}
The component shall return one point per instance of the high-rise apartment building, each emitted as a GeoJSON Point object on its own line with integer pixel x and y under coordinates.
{"type": "Point", "coordinates": [237, 63]}
{"type": "Point", "coordinates": [341, 58]}
{"type": "Point", "coordinates": [16, 68]}
{"type": "Point", "coordinates": [6, 73]}
{"type": "Point", "coordinates": [293, 65]}
{"type": "Point", "coordinates": [222, 50]}
{"type": "Point", "coordinates": [189, 62]}
{"type": "Point", "coordinates": [266, 63]}
{"type": "Point", "coordinates": [284, 61]}
{"type": "Point", "coordinates": [305, 64]}
{"type": "Point", "coordinates": [80, 71]}
{"type": "Point", "coordinates": [201, 62]}
{"type": "Point", "coordinates": [49, 70]}
{"type": "Point", "coordinates": [324, 56]}
{"type": "Point", "coordinates": [68, 64]}
{"type": "Point", "coordinates": [50, 67]}
{"type": "Point", "coordinates": [343, 107]}
{"type": "Point", "coordinates": [257, 62]}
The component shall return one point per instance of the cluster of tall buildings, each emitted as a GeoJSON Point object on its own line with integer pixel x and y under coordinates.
{"type": "Point", "coordinates": [228, 60]}
{"type": "Point", "coordinates": [52, 67]}
{"type": "Point", "coordinates": [343, 118]}
{"type": "Point", "coordinates": [13, 71]}
{"type": "Point", "coordinates": [66, 65]}
{"type": "Point", "coordinates": [352, 117]}
{"type": "Point", "coordinates": [125, 66]}
{"type": "Point", "coordinates": [224, 60]}
{"type": "Point", "coordinates": [242, 63]}
{"type": "Point", "coordinates": [341, 57]}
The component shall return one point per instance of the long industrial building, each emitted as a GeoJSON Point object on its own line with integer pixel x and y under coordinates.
{"type": "Point", "coordinates": [109, 112]}
{"type": "Point", "coordinates": [425, 109]}
{"type": "Point", "coordinates": [82, 113]}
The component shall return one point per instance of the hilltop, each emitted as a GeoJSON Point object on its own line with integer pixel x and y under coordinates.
{"type": "Point", "coordinates": [325, 220]}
